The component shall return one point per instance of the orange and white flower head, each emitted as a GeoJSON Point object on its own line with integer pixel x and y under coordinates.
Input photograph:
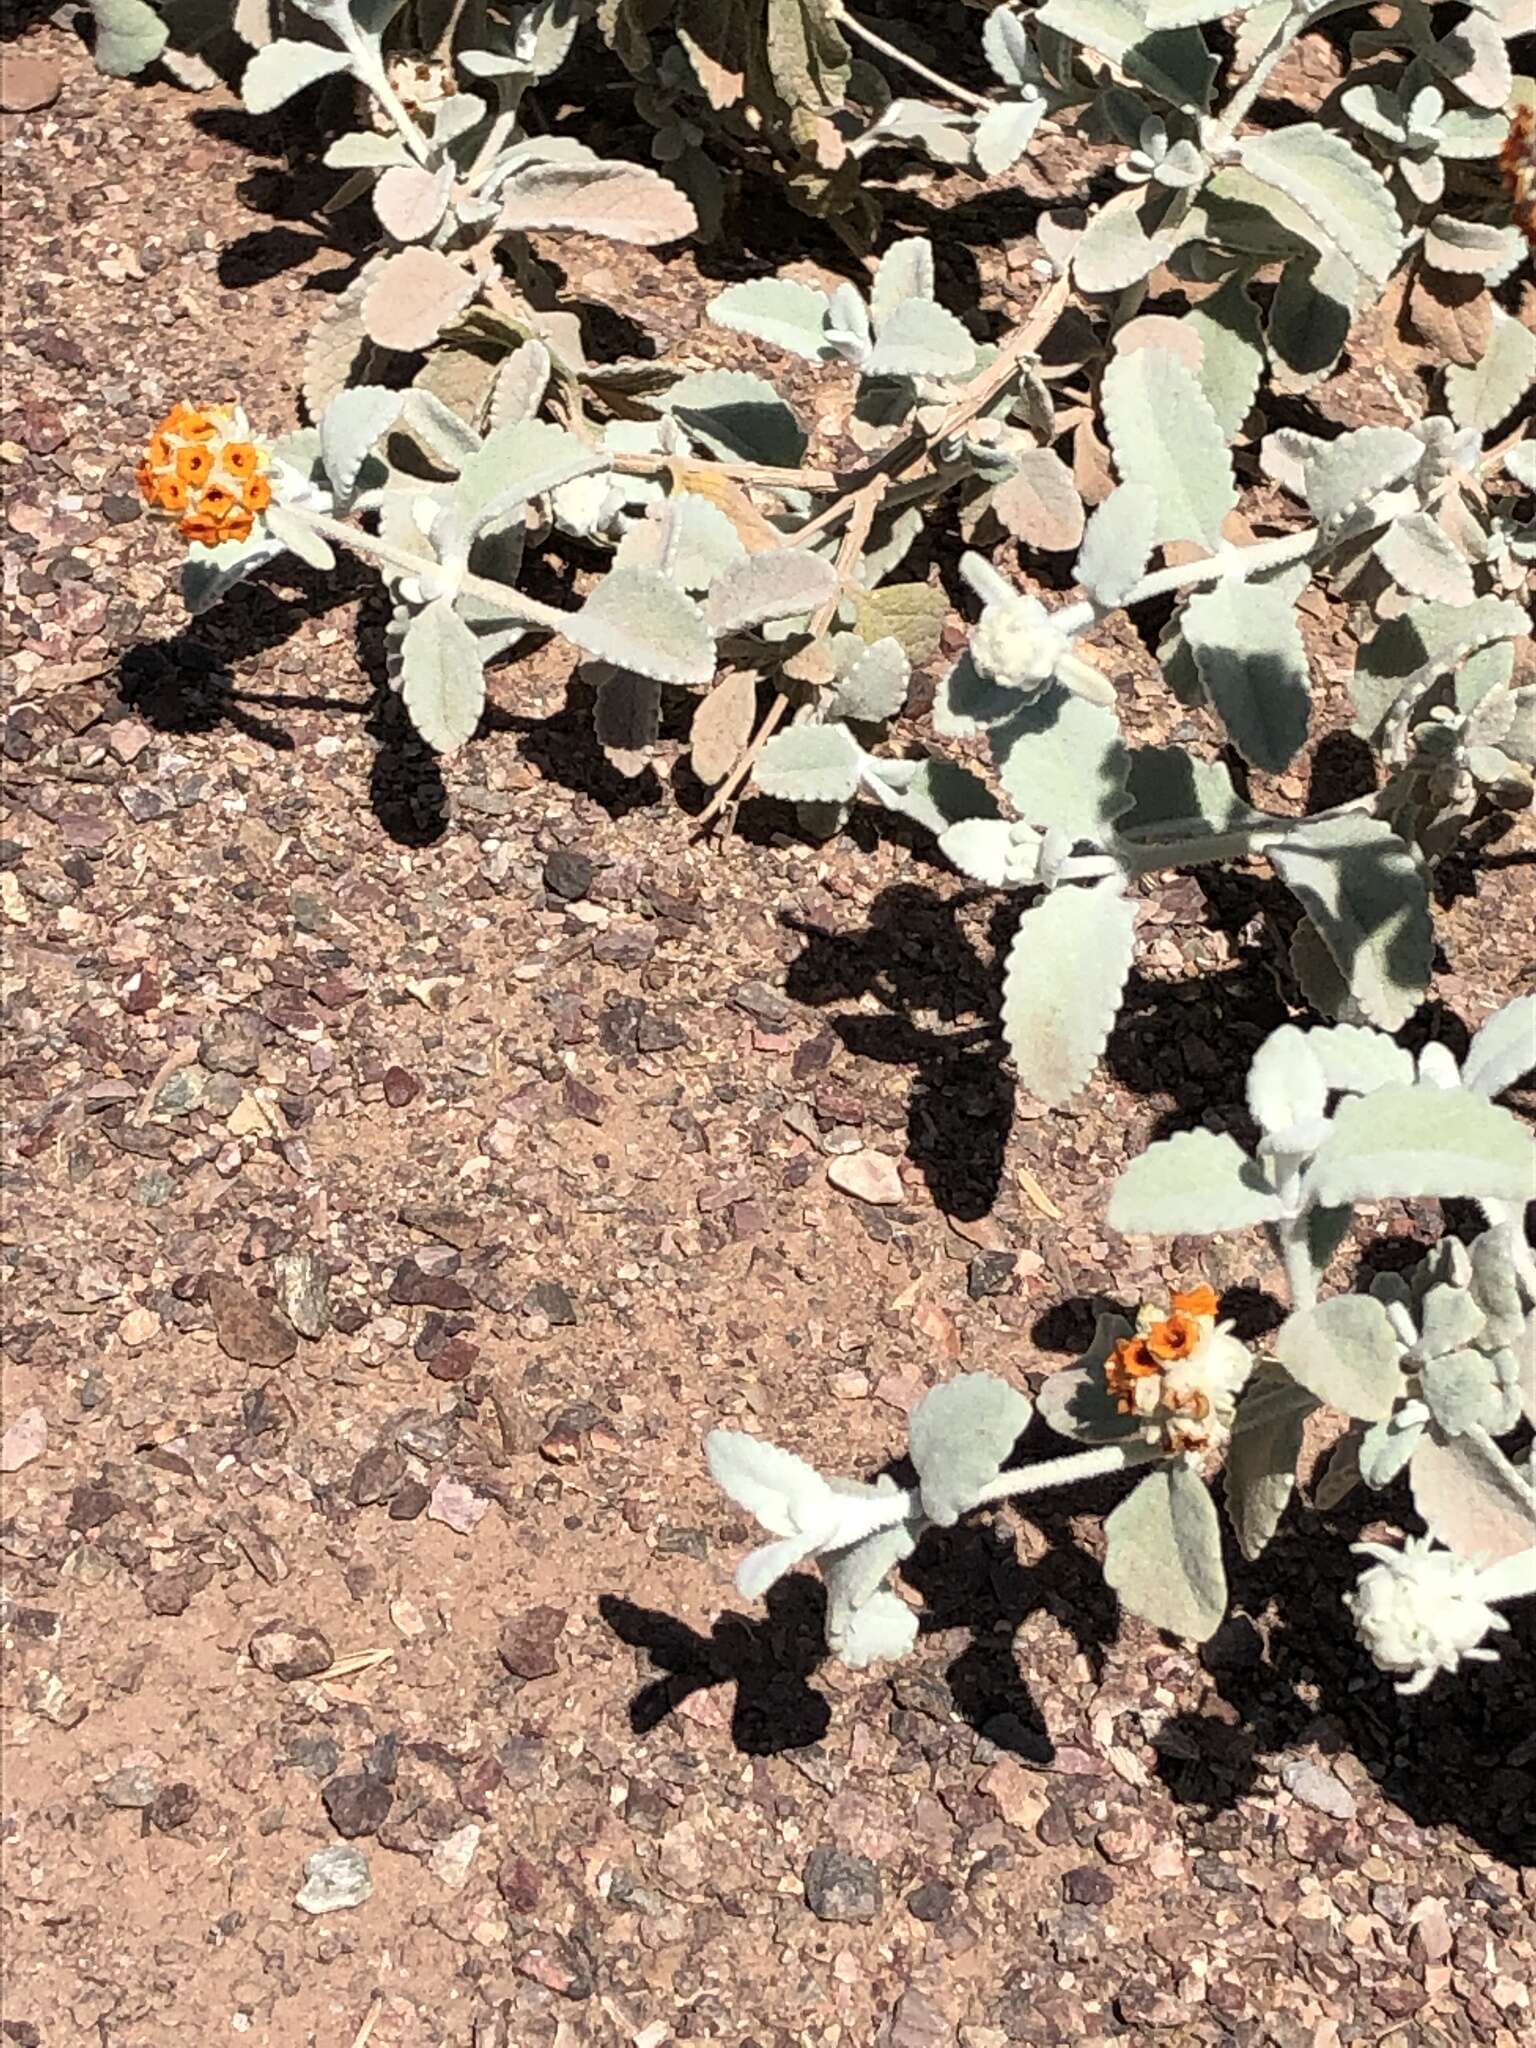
{"type": "Point", "coordinates": [204, 470]}
{"type": "Point", "coordinates": [1181, 1374]}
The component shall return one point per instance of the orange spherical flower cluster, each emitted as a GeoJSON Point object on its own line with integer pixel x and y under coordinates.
{"type": "Point", "coordinates": [1179, 1375]}
{"type": "Point", "coordinates": [201, 468]}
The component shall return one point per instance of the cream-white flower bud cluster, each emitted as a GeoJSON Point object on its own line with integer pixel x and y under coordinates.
{"type": "Point", "coordinates": [1422, 1610]}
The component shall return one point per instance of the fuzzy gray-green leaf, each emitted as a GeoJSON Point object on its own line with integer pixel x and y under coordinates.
{"type": "Point", "coordinates": [961, 1435]}
{"type": "Point", "coordinates": [1163, 1553]}
{"type": "Point", "coordinates": [1484, 394]}
{"type": "Point", "coordinates": [810, 764]}
{"type": "Point", "coordinates": [1346, 1352]}
{"type": "Point", "coordinates": [1504, 1049]}
{"type": "Point", "coordinates": [1164, 435]}
{"type": "Point", "coordinates": [777, 310]}
{"type": "Point", "coordinates": [1368, 896]}
{"type": "Point", "coordinates": [1408, 1142]}
{"type": "Point", "coordinates": [1248, 651]}
{"type": "Point", "coordinates": [639, 619]}
{"type": "Point", "coordinates": [1472, 1497]}
{"type": "Point", "coordinates": [1062, 986]}
{"type": "Point", "coordinates": [1232, 341]}
{"type": "Point", "coordinates": [443, 680]}
{"type": "Point", "coordinates": [284, 68]}
{"type": "Point", "coordinates": [1063, 763]}
{"type": "Point", "coordinates": [1260, 1472]}
{"type": "Point", "coordinates": [737, 416]}
{"type": "Point", "coordinates": [1196, 1183]}
{"type": "Point", "coordinates": [1338, 189]}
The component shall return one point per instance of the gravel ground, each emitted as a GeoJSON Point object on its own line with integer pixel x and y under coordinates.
{"type": "Point", "coordinates": [405, 1171]}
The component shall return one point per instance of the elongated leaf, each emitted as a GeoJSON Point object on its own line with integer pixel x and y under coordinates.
{"type": "Point", "coordinates": [1193, 1184]}
{"type": "Point", "coordinates": [1063, 983]}
{"type": "Point", "coordinates": [779, 583]}
{"type": "Point", "coordinates": [1260, 1473]}
{"type": "Point", "coordinates": [626, 717]}
{"type": "Point", "coordinates": [1356, 1060]}
{"type": "Point", "coordinates": [775, 1487]}
{"type": "Point", "coordinates": [1342, 193]}
{"type": "Point", "coordinates": [1248, 651]}
{"type": "Point", "coordinates": [1163, 1553]}
{"type": "Point", "coordinates": [1118, 248]}
{"type": "Point", "coordinates": [514, 465]}
{"type": "Point", "coordinates": [1346, 1352]}
{"type": "Point", "coordinates": [639, 619]}
{"type": "Point", "coordinates": [777, 310]}
{"type": "Point", "coordinates": [1342, 475]}
{"type": "Point", "coordinates": [626, 201]}
{"type": "Point", "coordinates": [1422, 559]}
{"type": "Point", "coordinates": [1481, 397]}
{"type": "Point", "coordinates": [737, 416]}
{"type": "Point", "coordinates": [1165, 436]}
{"type": "Point", "coordinates": [1504, 1050]}
{"type": "Point", "coordinates": [443, 679]}
{"type": "Point", "coordinates": [1173, 63]}
{"type": "Point", "coordinates": [1232, 352]}
{"type": "Point", "coordinates": [350, 425]}
{"type": "Point", "coordinates": [1368, 896]}
{"type": "Point", "coordinates": [1003, 134]}
{"type": "Point", "coordinates": [284, 68]}
{"type": "Point", "coordinates": [521, 383]}
{"type": "Point", "coordinates": [1183, 809]}
{"type": "Point", "coordinates": [961, 1436]}
{"type": "Point", "coordinates": [810, 764]}
{"type": "Point", "coordinates": [1472, 1498]}
{"type": "Point", "coordinates": [1309, 317]}
{"type": "Point", "coordinates": [905, 271]}
{"type": "Point", "coordinates": [1117, 544]}
{"type": "Point", "coordinates": [299, 537]}
{"type": "Point", "coordinates": [1286, 1083]}
{"type": "Point", "coordinates": [1406, 1142]}
{"type": "Point", "coordinates": [722, 726]}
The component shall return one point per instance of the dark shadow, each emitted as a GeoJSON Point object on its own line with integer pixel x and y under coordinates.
{"type": "Point", "coordinates": [971, 1577]}
{"type": "Point", "coordinates": [930, 976]}
{"type": "Point", "coordinates": [18, 16]}
{"type": "Point", "coordinates": [768, 1661]}
{"type": "Point", "coordinates": [1460, 1754]}
{"type": "Point", "coordinates": [564, 748]}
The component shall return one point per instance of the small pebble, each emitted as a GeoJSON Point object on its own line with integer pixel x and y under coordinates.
{"type": "Point", "coordinates": [335, 1879]}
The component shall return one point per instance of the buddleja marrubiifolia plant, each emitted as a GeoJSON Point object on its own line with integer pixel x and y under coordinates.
{"type": "Point", "coordinates": [1221, 269]}
{"type": "Point", "coordinates": [1435, 1374]}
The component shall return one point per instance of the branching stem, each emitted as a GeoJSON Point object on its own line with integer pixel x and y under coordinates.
{"type": "Point", "coordinates": [912, 64]}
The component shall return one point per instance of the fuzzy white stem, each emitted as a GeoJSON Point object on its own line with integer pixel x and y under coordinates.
{"type": "Point", "coordinates": [1094, 1464]}
{"type": "Point", "coordinates": [919, 70]}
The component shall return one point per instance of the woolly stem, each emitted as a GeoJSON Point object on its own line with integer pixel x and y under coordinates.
{"type": "Point", "coordinates": [920, 70]}
{"type": "Point", "coordinates": [1094, 1464]}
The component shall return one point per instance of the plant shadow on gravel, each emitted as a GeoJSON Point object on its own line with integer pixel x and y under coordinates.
{"type": "Point", "coordinates": [769, 1660]}
{"type": "Point", "coordinates": [1294, 1674]}
{"type": "Point", "coordinates": [917, 957]}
